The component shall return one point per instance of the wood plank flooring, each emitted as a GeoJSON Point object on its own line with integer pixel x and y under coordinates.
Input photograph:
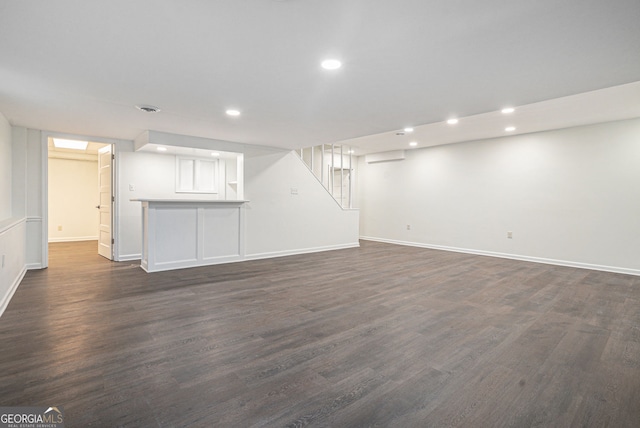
{"type": "Point", "coordinates": [381, 335]}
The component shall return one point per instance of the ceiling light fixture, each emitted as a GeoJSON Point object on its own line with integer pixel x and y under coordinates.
{"type": "Point", "coordinates": [331, 64]}
{"type": "Point", "coordinates": [413, 144]}
{"type": "Point", "coordinates": [215, 154]}
{"type": "Point", "coordinates": [350, 152]}
{"type": "Point", "coordinates": [60, 143]}
{"type": "Point", "coordinates": [161, 149]}
{"type": "Point", "coordinates": [147, 108]}
{"type": "Point", "coordinates": [233, 112]}
{"type": "Point", "coordinates": [452, 121]}
{"type": "Point", "coordinates": [408, 129]}
{"type": "Point", "coordinates": [507, 110]}
{"type": "Point", "coordinates": [510, 128]}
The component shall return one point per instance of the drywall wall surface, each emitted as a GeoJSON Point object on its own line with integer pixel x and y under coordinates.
{"type": "Point", "coordinates": [143, 175]}
{"type": "Point", "coordinates": [12, 222]}
{"type": "Point", "coordinates": [35, 213]}
{"type": "Point", "coordinates": [73, 196]}
{"type": "Point", "coordinates": [289, 211]}
{"type": "Point", "coordinates": [5, 168]}
{"type": "Point", "coordinates": [568, 196]}
{"type": "Point", "coordinates": [19, 172]}
{"type": "Point", "coordinates": [152, 176]}
{"type": "Point", "coordinates": [276, 222]}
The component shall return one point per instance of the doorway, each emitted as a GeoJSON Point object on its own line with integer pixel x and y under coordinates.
{"type": "Point", "coordinates": [80, 193]}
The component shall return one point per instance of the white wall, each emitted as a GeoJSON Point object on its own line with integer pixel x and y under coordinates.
{"type": "Point", "coordinates": [35, 176]}
{"type": "Point", "coordinates": [5, 168]}
{"type": "Point", "coordinates": [153, 176]}
{"type": "Point", "coordinates": [73, 196]}
{"type": "Point", "coordinates": [569, 197]}
{"type": "Point", "coordinates": [12, 259]}
{"type": "Point", "coordinates": [277, 222]}
{"type": "Point", "coordinates": [12, 221]}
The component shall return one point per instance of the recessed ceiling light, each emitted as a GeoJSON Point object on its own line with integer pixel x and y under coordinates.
{"type": "Point", "coordinates": [233, 112]}
{"type": "Point", "coordinates": [413, 144]}
{"type": "Point", "coordinates": [452, 121]}
{"type": "Point", "coordinates": [350, 152]}
{"type": "Point", "coordinates": [215, 154]}
{"type": "Point", "coordinates": [408, 129]}
{"type": "Point", "coordinates": [331, 64]}
{"type": "Point", "coordinates": [60, 143]}
{"type": "Point", "coordinates": [161, 149]}
{"type": "Point", "coordinates": [508, 110]}
{"type": "Point", "coordinates": [147, 108]}
{"type": "Point", "coordinates": [510, 128]}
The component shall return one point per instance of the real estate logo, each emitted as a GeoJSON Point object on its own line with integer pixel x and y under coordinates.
{"type": "Point", "coordinates": [31, 417]}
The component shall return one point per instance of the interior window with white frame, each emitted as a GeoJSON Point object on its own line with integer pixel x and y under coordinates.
{"type": "Point", "coordinates": [196, 175]}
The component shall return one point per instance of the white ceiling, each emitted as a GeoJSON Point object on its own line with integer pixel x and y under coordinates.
{"type": "Point", "coordinates": [188, 151]}
{"type": "Point", "coordinates": [80, 67]}
{"type": "Point", "coordinates": [90, 153]}
{"type": "Point", "coordinates": [603, 105]}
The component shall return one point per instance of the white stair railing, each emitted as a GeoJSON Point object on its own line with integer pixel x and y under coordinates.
{"type": "Point", "coordinates": [333, 165]}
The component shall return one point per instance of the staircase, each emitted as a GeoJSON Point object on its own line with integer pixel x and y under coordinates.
{"type": "Point", "coordinates": [333, 165]}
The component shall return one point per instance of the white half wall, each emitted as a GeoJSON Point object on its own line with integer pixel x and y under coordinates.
{"type": "Point", "coordinates": [12, 259]}
{"type": "Point", "coordinates": [567, 196]}
{"type": "Point", "coordinates": [73, 196]}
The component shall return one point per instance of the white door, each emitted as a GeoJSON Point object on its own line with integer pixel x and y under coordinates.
{"type": "Point", "coordinates": [105, 163]}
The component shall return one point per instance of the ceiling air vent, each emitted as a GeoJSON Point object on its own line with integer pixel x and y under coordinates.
{"type": "Point", "coordinates": [148, 108]}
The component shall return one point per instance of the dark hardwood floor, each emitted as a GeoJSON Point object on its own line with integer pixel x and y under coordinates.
{"type": "Point", "coordinates": [381, 335]}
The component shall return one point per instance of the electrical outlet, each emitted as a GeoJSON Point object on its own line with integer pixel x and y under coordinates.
{"type": "Point", "coordinates": [132, 187]}
{"type": "Point", "coordinates": [408, 227]}
{"type": "Point", "coordinates": [294, 190]}
{"type": "Point", "coordinates": [59, 228]}
{"type": "Point", "coordinates": [510, 235]}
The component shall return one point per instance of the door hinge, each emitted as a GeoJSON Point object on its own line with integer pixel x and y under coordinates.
{"type": "Point", "coordinates": [113, 241]}
{"type": "Point", "coordinates": [113, 157]}
{"type": "Point", "coordinates": [113, 199]}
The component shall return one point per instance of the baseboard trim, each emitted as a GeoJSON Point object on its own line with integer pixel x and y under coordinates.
{"type": "Point", "coordinates": [273, 254]}
{"type": "Point", "coordinates": [31, 266]}
{"type": "Point", "coordinates": [128, 257]}
{"type": "Point", "coordinates": [566, 263]}
{"type": "Point", "coordinates": [14, 286]}
{"type": "Point", "coordinates": [76, 239]}
{"type": "Point", "coordinates": [249, 257]}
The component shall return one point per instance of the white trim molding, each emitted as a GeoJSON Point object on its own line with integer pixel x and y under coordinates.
{"type": "Point", "coordinates": [128, 257]}
{"type": "Point", "coordinates": [4, 302]}
{"type": "Point", "coordinates": [74, 239]}
{"type": "Point", "coordinates": [269, 255]}
{"type": "Point", "coordinates": [542, 260]}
